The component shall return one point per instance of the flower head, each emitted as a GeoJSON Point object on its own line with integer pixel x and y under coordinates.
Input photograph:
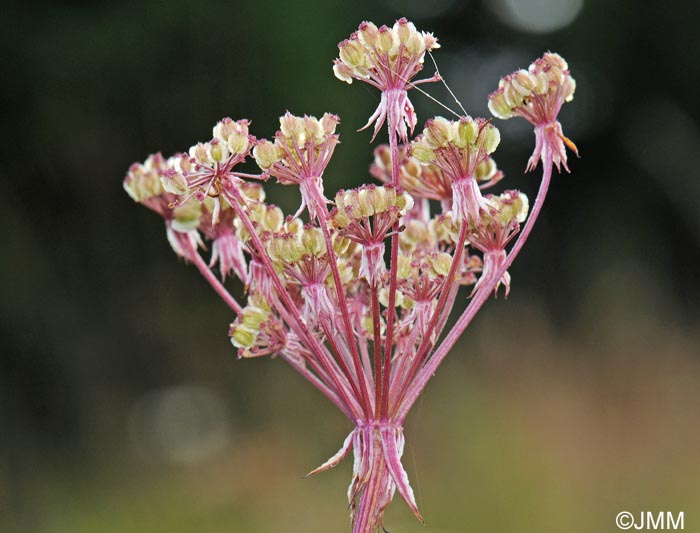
{"type": "Point", "coordinates": [299, 155]}
{"type": "Point", "coordinates": [208, 167]}
{"type": "Point", "coordinates": [388, 59]}
{"type": "Point", "coordinates": [458, 148]}
{"type": "Point", "coordinates": [494, 231]}
{"type": "Point", "coordinates": [143, 184]}
{"type": "Point", "coordinates": [537, 94]}
{"type": "Point", "coordinates": [365, 215]}
{"type": "Point", "coordinates": [427, 180]}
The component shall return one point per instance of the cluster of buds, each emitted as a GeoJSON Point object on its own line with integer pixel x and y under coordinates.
{"type": "Point", "coordinates": [365, 216]}
{"type": "Point", "coordinates": [537, 94]}
{"type": "Point", "coordinates": [497, 227]}
{"type": "Point", "coordinates": [363, 322]}
{"type": "Point", "coordinates": [458, 148]}
{"type": "Point", "coordinates": [426, 180]}
{"type": "Point", "coordinates": [388, 59]}
{"type": "Point", "coordinates": [144, 183]}
{"type": "Point", "coordinates": [302, 148]}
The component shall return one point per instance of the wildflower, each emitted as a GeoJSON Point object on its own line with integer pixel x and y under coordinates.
{"type": "Point", "coordinates": [246, 329]}
{"type": "Point", "coordinates": [208, 166]}
{"type": "Point", "coordinates": [387, 58]}
{"type": "Point", "coordinates": [304, 260]}
{"type": "Point", "coordinates": [362, 324]}
{"type": "Point", "coordinates": [143, 184]}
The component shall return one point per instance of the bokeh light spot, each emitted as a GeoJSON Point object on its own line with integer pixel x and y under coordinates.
{"type": "Point", "coordinates": [536, 16]}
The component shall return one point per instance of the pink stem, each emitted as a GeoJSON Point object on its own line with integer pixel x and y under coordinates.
{"type": "Point", "coordinates": [425, 345]}
{"type": "Point", "coordinates": [341, 358]}
{"type": "Point", "coordinates": [377, 345]}
{"type": "Point", "coordinates": [391, 309]}
{"type": "Point", "coordinates": [211, 278]}
{"type": "Point", "coordinates": [326, 369]}
{"type": "Point", "coordinates": [233, 304]}
{"type": "Point", "coordinates": [367, 516]}
{"type": "Point", "coordinates": [296, 323]}
{"type": "Point", "coordinates": [481, 296]}
{"type": "Point", "coordinates": [342, 302]}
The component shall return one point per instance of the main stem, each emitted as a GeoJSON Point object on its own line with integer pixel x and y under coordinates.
{"type": "Point", "coordinates": [368, 516]}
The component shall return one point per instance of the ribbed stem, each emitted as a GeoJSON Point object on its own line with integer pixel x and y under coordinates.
{"type": "Point", "coordinates": [426, 343]}
{"type": "Point", "coordinates": [375, 493]}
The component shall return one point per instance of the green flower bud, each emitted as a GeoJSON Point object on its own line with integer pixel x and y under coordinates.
{"type": "Point", "coordinates": [440, 263]}
{"type": "Point", "coordinates": [403, 267]}
{"type": "Point", "coordinates": [238, 143]}
{"type": "Point", "coordinates": [273, 219]}
{"type": "Point", "coordinates": [351, 54]}
{"type": "Point", "coordinates": [266, 154]}
{"type": "Point", "coordinates": [217, 152]}
{"type": "Point", "coordinates": [491, 138]}
{"type": "Point", "coordinates": [174, 182]}
{"type": "Point", "coordinates": [466, 131]}
{"type": "Point", "coordinates": [243, 337]}
{"type": "Point", "coordinates": [422, 152]}
{"type": "Point", "coordinates": [498, 106]}
{"type": "Point", "coordinates": [388, 41]}
{"type": "Point", "coordinates": [438, 132]}
{"type": "Point", "coordinates": [313, 241]}
{"type": "Point", "coordinates": [186, 217]}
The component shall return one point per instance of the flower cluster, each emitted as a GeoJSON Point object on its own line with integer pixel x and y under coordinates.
{"type": "Point", "coordinates": [387, 58]}
{"type": "Point", "coordinates": [425, 179]}
{"type": "Point", "coordinates": [457, 148]}
{"type": "Point", "coordinates": [302, 148]}
{"type": "Point", "coordinates": [355, 295]}
{"type": "Point", "coordinates": [537, 94]}
{"type": "Point", "coordinates": [144, 184]}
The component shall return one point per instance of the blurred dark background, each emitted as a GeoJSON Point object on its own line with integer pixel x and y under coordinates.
{"type": "Point", "coordinates": [122, 406]}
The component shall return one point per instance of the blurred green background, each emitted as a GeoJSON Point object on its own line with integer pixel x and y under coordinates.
{"type": "Point", "coordinates": [122, 406]}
